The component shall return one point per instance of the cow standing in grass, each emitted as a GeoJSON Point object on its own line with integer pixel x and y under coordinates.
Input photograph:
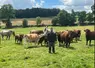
{"type": "Point", "coordinates": [90, 35]}
{"type": "Point", "coordinates": [31, 38]}
{"type": "Point", "coordinates": [19, 38]}
{"type": "Point", "coordinates": [77, 34]}
{"type": "Point", "coordinates": [7, 33]}
{"type": "Point", "coordinates": [66, 37]}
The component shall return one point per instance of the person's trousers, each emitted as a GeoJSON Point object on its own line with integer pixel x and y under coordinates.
{"type": "Point", "coordinates": [51, 47]}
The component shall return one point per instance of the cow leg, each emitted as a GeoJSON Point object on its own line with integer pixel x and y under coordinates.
{"type": "Point", "coordinates": [59, 44]}
{"type": "Point", "coordinates": [20, 41]}
{"type": "Point", "coordinates": [15, 40]}
{"type": "Point", "coordinates": [86, 42]}
{"type": "Point", "coordinates": [69, 44]}
{"type": "Point", "coordinates": [66, 45]}
{"type": "Point", "coordinates": [35, 42]}
{"type": "Point", "coordinates": [9, 37]}
{"type": "Point", "coordinates": [76, 39]}
{"type": "Point", "coordinates": [41, 44]}
{"type": "Point", "coordinates": [6, 37]}
{"type": "Point", "coordinates": [89, 42]}
{"type": "Point", "coordinates": [79, 38]}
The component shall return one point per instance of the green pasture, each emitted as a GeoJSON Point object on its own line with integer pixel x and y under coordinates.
{"type": "Point", "coordinates": [78, 55]}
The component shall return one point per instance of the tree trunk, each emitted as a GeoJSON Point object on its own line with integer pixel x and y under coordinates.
{"type": "Point", "coordinates": [8, 23]}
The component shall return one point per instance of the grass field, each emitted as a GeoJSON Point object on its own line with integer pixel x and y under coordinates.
{"type": "Point", "coordinates": [78, 55]}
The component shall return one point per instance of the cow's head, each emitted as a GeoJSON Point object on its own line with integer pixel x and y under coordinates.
{"type": "Point", "coordinates": [87, 30]}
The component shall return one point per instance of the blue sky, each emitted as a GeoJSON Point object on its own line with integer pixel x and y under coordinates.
{"type": "Point", "coordinates": [77, 5]}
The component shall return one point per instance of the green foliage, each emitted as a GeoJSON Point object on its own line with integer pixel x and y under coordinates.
{"type": "Point", "coordinates": [34, 12]}
{"type": "Point", "coordinates": [25, 23]}
{"type": "Point", "coordinates": [55, 21]}
{"type": "Point", "coordinates": [93, 8]}
{"type": "Point", "coordinates": [73, 16]}
{"type": "Point", "coordinates": [38, 20]}
{"type": "Point", "coordinates": [89, 17]}
{"type": "Point", "coordinates": [82, 16]}
{"type": "Point", "coordinates": [7, 12]}
{"type": "Point", "coordinates": [62, 17]}
{"type": "Point", "coordinates": [65, 18]}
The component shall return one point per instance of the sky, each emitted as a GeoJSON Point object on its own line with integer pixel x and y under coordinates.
{"type": "Point", "coordinates": [77, 5]}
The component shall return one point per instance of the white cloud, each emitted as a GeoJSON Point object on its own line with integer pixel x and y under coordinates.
{"type": "Point", "coordinates": [37, 4]}
{"type": "Point", "coordinates": [77, 5]}
{"type": "Point", "coordinates": [23, 3]}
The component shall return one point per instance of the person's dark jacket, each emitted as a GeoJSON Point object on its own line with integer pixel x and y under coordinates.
{"type": "Point", "coordinates": [51, 37]}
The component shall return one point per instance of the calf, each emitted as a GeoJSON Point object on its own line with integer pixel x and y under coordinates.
{"type": "Point", "coordinates": [89, 36]}
{"type": "Point", "coordinates": [19, 38]}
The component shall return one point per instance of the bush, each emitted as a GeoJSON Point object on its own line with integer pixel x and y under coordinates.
{"type": "Point", "coordinates": [38, 20]}
{"type": "Point", "coordinates": [55, 21]}
{"type": "Point", "coordinates": [25, 23]}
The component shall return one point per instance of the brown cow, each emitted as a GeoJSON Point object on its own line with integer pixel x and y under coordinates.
{"type": "Point", "coordinates": [89, 36]}
{"type": "Point", "coordinates": [77, 34]}
{"type": "Point", "coordinates": [36, 31]}
{"type": "Point", "coordinates": [65, 37]}
{"type": "Point", "coordinates": [19, 38]}
{"type": "Point", "coordinates": [42, 39]}
{"type": "Point", "coordinates": [31, 38]}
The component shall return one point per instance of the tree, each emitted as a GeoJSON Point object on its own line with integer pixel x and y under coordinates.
{"type": "Point", "coordinates": [82, 16]}
{"type": "Point", "coordinates": [34, 12]}
{"type": "Point", "coordinates": [93, 11]}
{"type": "Point", "coordinates": [89, 17]}
{"type": "Point", "coordinates": [93, 8]}
{"type": "Point", "coordinates": [65, 18]}
{"type": "Point", "coordinates": [7, 12]}
{"type": "Point", "coordinates": [38, 20]}
{"type": "Point", "coordinates": [55, 21]}
{"type": "Point", "coordinates": [62, 17]}
{"type": "Point", "coordinates": [25, 23]}
{"type": "Point", "coordinates": [73, 16]}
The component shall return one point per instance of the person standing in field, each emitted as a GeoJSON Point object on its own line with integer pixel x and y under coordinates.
{"type": "Point", "coordinates": [51, 38]}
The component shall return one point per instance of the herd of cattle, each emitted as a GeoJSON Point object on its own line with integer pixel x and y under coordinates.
{"type": "Point", "coordinates": [40, 36]}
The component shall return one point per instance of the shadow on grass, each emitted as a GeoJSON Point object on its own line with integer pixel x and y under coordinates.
{"type": "Point", "coordinates": [72, 48]}
{"type": "Point", "coordinates": [91, 45]}
{"type": "Point", "coordinates": [76, 41]}
{"type": "Point", "coordinates": [19, 43]}
{"type": "Point", "coordinates": [33, 47]}
{"type": "Point", "coordinates": [26, 57]}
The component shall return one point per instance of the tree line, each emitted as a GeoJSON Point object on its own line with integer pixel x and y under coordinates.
{"type": "Point", "coordinates": [61, 17]}
{"type": "Point", "coordinates": [34, 12]}
{"type": "Point", "coordinates": [73, 18]}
